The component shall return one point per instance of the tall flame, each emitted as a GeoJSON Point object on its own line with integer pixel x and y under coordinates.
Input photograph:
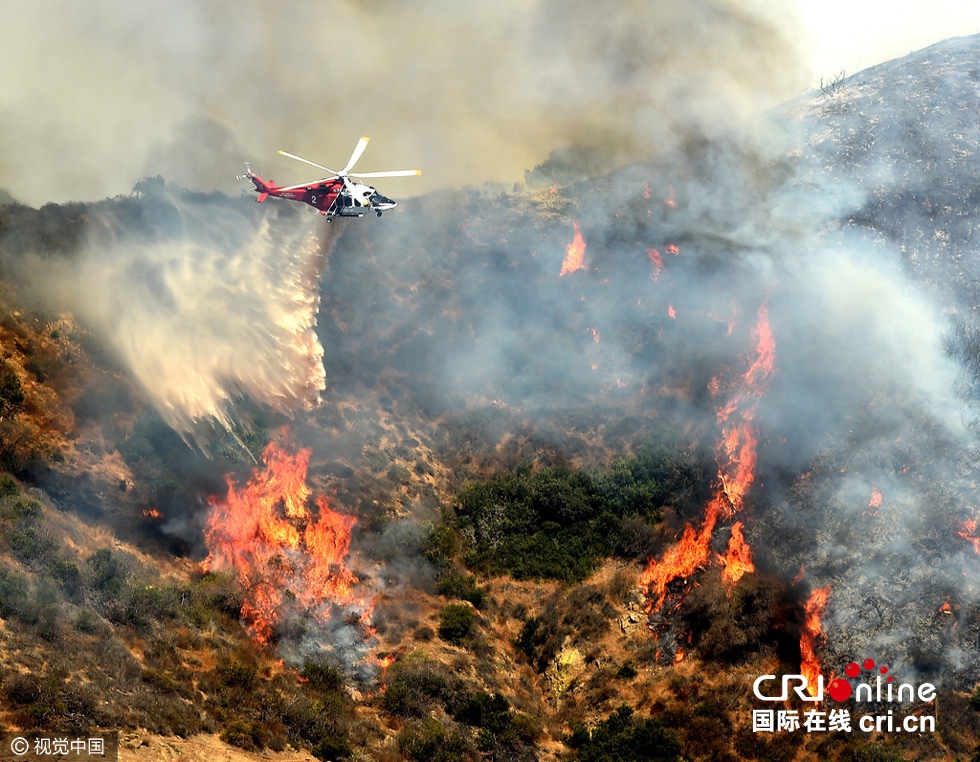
{"type": "Point", "coordinates": [281, 552]}
{"type": "Point", "coordinates": [736, 456]}
{"type": "Point", "coordinates": [575, 253]}
{"type": "Point", "coordinates": [737, 562]}
{"type": "Point", "coordinates": [812, 631]}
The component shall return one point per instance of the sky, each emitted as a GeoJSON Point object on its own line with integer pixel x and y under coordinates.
{"type": "Point", "coordinates": [855, 34]}
{"type": "Point", "coordinates": [97, 95]}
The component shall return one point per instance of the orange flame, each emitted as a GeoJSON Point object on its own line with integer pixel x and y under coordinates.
{"type": "Point", "coordinates": [679, 656]}
{"type": "Point", "coordinates": [875, 498]}
{"type": "Point", "coordinates": [738, 561]}
{"type": "Point", "coordinates": [656, 262]}
{"type": "Point", "coordinates": [969, 532]}
{"type": "Point", "coordinates": [736, 456]}
{"type": "Point", "coordinates": [671, 312]}
{"type": "Point", "coordinates": [151, 513]}
{"type": "Point", "coordinates": [575, 253]}
{"type": "Point", "coordinates": [812, 630]}
{"type": "Point", "coordinates": [266, 533]}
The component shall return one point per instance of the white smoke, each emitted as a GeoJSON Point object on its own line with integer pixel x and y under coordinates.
{"type": "Point", "coordinates": [216, 307]}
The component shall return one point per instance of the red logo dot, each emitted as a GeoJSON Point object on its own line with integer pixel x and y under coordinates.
{"type": "Point", "coordinates": [839, 690]}
{"type": "Point", "coordinates": [884, 670]}
{"type": "Point", "coordinates": [852, 670]}
{"type": "Point", "coordinates": [869, 663]}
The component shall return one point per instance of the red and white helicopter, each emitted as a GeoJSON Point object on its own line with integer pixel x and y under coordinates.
{"type": "Point", "coordinates": [336, 195]}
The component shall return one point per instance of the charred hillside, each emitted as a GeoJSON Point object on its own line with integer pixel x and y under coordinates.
{"type": "Point", "coordinates": [630, 439]}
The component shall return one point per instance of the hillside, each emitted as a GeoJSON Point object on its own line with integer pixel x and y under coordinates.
{"type": "Point", "coordinates": [629, 440]}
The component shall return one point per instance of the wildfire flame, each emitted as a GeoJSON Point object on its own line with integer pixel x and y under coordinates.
{"type": "Point", "coordinates": [812, 630]}
{"type": "Point", "coordinates": [875, 498]}
{"type": "Point", "coordinates": [281, 551]}
{"type": "Point", "coordinates": [738, 561]}
{"type": "Point", "coordinates": [575, 253]}
{"type": "Point", "coordinates": [736, 458]}
{"type": "Point", "coordinates": [968, 531]}
{"type": "Point", "coordinates": [656, 262]}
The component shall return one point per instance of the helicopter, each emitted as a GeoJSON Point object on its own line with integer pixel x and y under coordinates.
{"type": "Point", "coordinates": [336, 195]}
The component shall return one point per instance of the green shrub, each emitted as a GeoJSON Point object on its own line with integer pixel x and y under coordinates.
{"type": "Point", "coordinates": [624, 738]}
{"type": "Point", "coordinates": [557, 523]}
{"type": "Point", "coordinates": [143, 606]}
{"type": "Point", "coordinates": [527, 640]}
{"type": "Point", "coordinates": [322, 677]}
{"type": "Point", "coordinates": [12, 395]}
{"type": "Point", "coordinates": [23, 510]}
{"type": "Point", "coordinates": [107, 570]}
{"type": "Point", "coordinates": [455, 622]}
{"type": "Point", "coordinates": [8, 487]}
{"type": "Point", "coordinates": [414, 685]}
{"type": "Point", "coordinates": [330, 748]}
{"type": "Point", "coordinates": [462, 586]}
{"type": "Point", "coordinates": [431, 742]}
{"type": "Point", "coordinates": [237, 674]}
{"type": "Point", "coordinates": [245, 735]}
{"type": "Point", "coordinates": [627, 672]}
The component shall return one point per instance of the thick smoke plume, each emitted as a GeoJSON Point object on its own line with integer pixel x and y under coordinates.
{"type": "Point", "coordinates": [468, 92]}
{"type": "Point", "coordinates": [202, 304]}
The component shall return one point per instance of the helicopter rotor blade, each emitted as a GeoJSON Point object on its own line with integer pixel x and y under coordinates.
{"type": "Point", "coordinates": [311, 163]}
{"type": "Point", "coordinates": [391, 173]}
{"type": "Point", "coordinates": [358, 150]}
{"type": "Point", "coordinates": [307, 185]}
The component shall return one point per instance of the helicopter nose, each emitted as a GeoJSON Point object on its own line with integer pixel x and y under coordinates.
{"type": "Point", "coordinates": [382, 203]}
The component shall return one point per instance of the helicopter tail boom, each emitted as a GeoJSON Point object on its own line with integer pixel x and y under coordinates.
{"type": "Point", "coordinates": [263, 188]}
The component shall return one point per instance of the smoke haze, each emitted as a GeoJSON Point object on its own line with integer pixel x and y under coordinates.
{"type": "Point", "coordinates": [108, 92]}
